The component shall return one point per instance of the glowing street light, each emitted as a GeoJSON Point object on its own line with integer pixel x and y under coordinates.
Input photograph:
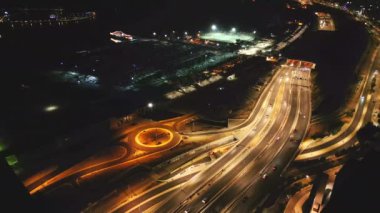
{"type": "Point", "coordinates": [233, 30]}
{"type": "Point", "coordinates": [154, 33]}
{"type": "Point", "coordinates": [185, 33]}
{"type": "Point", "coordinates": [214, 27]}
{"type": "Point", "coordinates": [51, 108]}
{"type": "Point", "coordinates": [150, 105]}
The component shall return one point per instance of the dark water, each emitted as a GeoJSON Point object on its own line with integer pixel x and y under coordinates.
{"type": "Point", "coordinates": [336, 54]}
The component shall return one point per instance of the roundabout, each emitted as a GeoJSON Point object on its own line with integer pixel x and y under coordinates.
{"type": "Point", "coordinates": [154, 137]}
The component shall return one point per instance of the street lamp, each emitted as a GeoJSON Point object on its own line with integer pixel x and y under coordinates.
{"type": "Point", "coordinates": [150, 105]}
{"type": "Point", "coordinates": [51, 108]}
{"type": "Point", "coordinates": [233, 30]}
{"type": "Point", "coordinates": [154, 33]}
{"type": "Point", "coordinates": [214, 27]}
{"type": "Point", "coordinates": [185, 33]}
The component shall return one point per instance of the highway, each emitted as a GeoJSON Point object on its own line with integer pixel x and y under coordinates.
{"type": "Point", "coordinates": [270, 92]}
{"type": "Point", "coordinates": [80, 174]}
{"type": "Point", "coordinates": [363, 112]}
{"type": "Point", "coordinates": [269, 142]}
{"type": "Point", "coordinates": [296, 202]}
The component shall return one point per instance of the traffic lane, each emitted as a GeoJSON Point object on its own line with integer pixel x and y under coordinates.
{"type": "Point", "coordinates": [339, 141]}
{"type": "Point", "coordinates": [270, 136]}
{"type": "Point", "coordinates": [255, 193]}
{"type": "Point", "coordinates": [274, 161]}
{"type": "Point", "coordinates": [217, 187]}
{"type": "Point", "coordinates": [350, 142]}
{"type": "Point", "coordinates": [265, 94]}
{"type": "Point", "coordinates": [227, 169]}
{"type": "Point", "coordinates": [340, 137]}
{"type": "Point", "coordinates": [305, 107]}
{"type": "Point", "coordinates": [213, 170]}
{"type": "Point", "coordinates": [151, 193]}
{"type": "Point", "coordinates": [69, 175]}
{"type": "Point", "coordinates": [262, 166]}
{"type": "Point", "coordinates": [366, 90]}
{"type": "Point", "coordinates": [249, 178]}
{"type": "Point", "coordinates": [234, 176]}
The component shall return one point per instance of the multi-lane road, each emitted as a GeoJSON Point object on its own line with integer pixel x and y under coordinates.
{"type": "Point", "coordinates": [363, 112]}
{"type": "Point", "coordinates": [244, 174]}
{"type": "Point", "coordinates": [267, 142]}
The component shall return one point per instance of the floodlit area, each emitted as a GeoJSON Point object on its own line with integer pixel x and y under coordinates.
{"type": "Point", "coordinates": [260, 46]}
{"type": "Point", "coordinates": [325, 22]}
{"type": "Point", "coordinates": [228, 37]}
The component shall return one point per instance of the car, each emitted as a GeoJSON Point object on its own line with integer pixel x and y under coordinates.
{"type": "Point", "coordinates": [265, 176]}
{"type": "Point", "coordinates": [204, 200]}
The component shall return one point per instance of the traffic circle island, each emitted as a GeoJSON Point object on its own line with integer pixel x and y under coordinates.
{"type": "Point", "coordinates": [154, 137]}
